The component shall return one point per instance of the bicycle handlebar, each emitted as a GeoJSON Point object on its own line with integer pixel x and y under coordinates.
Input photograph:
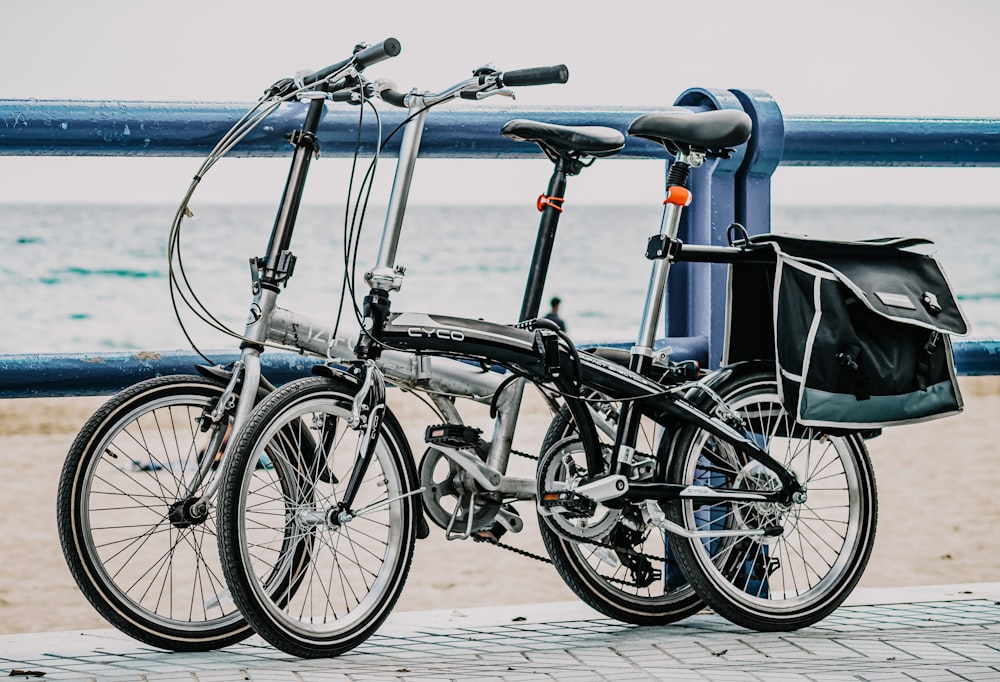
{"type": "Point", "coordinates": [486, 82]}
{"type": "Point", "coordinates": [389, 47]}
{"type": "Point", "coordinates": [361, 60]}
{"type": "Point", "coordinates": [394, 97]}
{"type": "Point", "coordinates": [539, 75]}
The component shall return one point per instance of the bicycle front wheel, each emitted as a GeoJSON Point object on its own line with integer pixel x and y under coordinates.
{"type": "Point", "coordinates": [148, 568]}
{"type": "Point", "coordinates": [313, 579]}
{"type": "Point", "coordinates": [770, 566]}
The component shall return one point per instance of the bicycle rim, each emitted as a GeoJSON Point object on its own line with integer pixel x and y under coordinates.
{"type": "Point", "coordinates": [156, 578]}
{"type": "Point", "coordinates": [819, 548]}
{"type": "Point", "coordinates": [312, 583]}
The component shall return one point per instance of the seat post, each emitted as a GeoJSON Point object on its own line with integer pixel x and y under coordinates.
{"type": "Point", "coordinates": [550, 204]}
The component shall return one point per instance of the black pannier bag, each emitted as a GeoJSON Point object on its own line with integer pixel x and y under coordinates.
{"type": "Point", "coordinates": [859, 331]}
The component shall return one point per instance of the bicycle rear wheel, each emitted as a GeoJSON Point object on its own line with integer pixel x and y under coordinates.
{"type": "Point", "coordinates": [148, 570]}
{"type": "Point", "coordinates": [312, 581]}
{"type": "Point", "coordinates": [814, 552]}
{"type": "Point", "coordinates": [625, 568]}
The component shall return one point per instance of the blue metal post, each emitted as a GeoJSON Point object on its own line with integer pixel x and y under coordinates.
{"type": "Point", "coordinates": [764, 152]}
{"type": "Point", "coordinates": [697, 291]}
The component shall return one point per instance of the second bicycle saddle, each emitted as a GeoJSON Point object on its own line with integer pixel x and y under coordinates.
{"type": "Point", "coordinates": [711, 132]}
{"type": "Point", "coordinates": [567, 141]}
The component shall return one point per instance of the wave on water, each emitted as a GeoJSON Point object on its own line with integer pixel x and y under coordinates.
{"type": "Point", "coordinates": [90, 277]}
{"type": "Point", "coordinates": [140, 274]}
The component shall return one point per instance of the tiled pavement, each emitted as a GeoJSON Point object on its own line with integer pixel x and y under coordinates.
{"type": "Point", "coordinates": [935, 633]}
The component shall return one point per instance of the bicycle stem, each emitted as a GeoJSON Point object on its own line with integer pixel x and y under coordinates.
{"type": "Point", "coordinates": [386, 275]}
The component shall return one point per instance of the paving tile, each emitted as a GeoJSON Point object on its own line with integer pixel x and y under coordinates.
{"type": "Point", "coordinates": [918, 640]}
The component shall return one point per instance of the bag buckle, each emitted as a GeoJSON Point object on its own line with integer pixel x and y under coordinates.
{"type": "Point", "coordinates": [847, 360]}
{"type": "Point", "coordinates": [930, 302]}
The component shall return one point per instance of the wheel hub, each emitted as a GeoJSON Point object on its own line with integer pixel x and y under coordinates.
{"type": "Point", "coordinates": [757, 515]}
{"type": "Point", "coordinates": [187, 513]}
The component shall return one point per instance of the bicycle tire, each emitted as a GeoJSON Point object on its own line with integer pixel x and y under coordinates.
{"type": "Point", "coordinates": [347, 580]}
{"type": "Point", "coordinates": [610, 581]}
{"type": "Point", "coordinates": [795, 578]}
{"type": "Point", "coordinates": [149, 578]}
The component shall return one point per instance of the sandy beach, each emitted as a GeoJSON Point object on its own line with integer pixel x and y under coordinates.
{"type": "Point", "coordinates": [938, 506]}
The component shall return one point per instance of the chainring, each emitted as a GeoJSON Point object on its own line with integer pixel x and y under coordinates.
{"type": "Point", "coordinates": [447, 491]}
{"type": "Point", "coordinates": [563, 467]}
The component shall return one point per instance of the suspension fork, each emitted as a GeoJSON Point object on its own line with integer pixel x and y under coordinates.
{"type": "Point", "coordinates": [246, 379]}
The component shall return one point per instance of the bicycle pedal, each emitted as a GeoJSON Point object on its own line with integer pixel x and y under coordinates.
{"type": "Point", "coordinates": [573, 505]}
{"type": "Point", "coordinates": [452, 435]}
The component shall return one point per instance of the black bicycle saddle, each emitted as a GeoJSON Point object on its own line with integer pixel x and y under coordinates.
{"type": "Point", "coordinates": [571, 141]}
{"type": "Point", "coordinates": [712, 132]}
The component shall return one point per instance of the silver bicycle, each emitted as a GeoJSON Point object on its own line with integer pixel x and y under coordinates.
{"type": "Point", "coordinates": [137, 497]}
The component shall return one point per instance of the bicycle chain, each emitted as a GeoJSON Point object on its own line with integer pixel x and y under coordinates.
{"type": "Point", "coordinates": [515, 550]}
{"type": "Point", "coordinates": [571, 538]}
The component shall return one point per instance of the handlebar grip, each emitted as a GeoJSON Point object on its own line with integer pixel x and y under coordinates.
{"type": "Point", "coordinates": [394, 97]}
{"type": "Point", "coordinates": [389, 47]}
{"type": "Point", "coordinates": [538, 75]}
{"type": "Point", "coordinates": [323, 73]}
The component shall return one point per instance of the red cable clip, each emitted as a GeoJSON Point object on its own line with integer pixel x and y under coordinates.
{"type": "Point", "coordinates": [544, 201]}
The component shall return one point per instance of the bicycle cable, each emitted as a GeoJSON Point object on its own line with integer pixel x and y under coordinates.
{"type": "Point", "coordinates": [181, 289]}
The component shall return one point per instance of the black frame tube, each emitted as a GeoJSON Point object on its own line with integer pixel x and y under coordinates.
{"type": "Point", "coordinates": [306, 146]}
{"type": "Point", "coordinates": [539, 268]}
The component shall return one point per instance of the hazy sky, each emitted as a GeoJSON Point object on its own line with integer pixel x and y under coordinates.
{"type": "Point", "coordinates": [847, 57]}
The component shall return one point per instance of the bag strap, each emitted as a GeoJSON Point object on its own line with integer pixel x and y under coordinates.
{"type": "Point", "coordinates": [924, 360]}
{"type": "Point", "coordinates": [853, 378]}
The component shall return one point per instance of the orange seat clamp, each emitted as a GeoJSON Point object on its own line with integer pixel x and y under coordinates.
{"type": "Point", "coordinates": [677, 195]}
{"type": "Point", "coordinates": [554, 202]}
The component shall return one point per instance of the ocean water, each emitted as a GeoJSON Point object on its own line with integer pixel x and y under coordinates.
{"type": "Point", "coordinates": [84, 278]}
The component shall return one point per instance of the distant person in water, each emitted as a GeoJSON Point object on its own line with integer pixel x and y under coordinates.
{"type": "Point", "coordinates": [554, 313]}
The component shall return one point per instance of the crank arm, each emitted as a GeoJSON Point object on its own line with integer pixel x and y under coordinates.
{"type": "Point", "coordinates": [488, 478]}
{"type": "Point", "coordinates": [510, 520]}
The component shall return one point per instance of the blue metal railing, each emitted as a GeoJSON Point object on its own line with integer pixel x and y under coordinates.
{"type": "Point", "coordinates": [736, 189]}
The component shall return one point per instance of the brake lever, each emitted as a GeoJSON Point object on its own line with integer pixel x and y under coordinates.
{"type": "Point", "coordinates": [483, 94]}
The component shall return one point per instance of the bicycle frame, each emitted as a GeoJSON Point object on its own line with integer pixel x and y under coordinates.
{"type": "Point", "coordinates": [441, 378]}
{"type": "Point", "coordinates": [519, 349]}
{"type": "Point", "coordinates": [540, 355]}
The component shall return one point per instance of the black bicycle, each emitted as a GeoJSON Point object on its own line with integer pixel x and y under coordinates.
{"type": "Point", "coordinates": [657, 485]}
